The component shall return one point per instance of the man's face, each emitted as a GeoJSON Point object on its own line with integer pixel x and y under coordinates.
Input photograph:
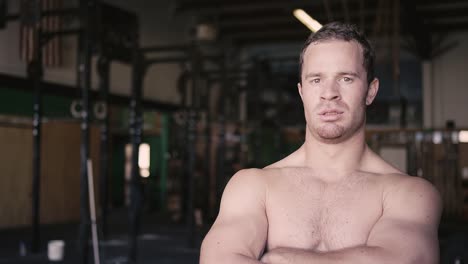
{"type": "Point", "coordinates": [334, 90]}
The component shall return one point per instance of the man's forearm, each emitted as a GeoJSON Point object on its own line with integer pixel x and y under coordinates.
{"type": "Point", "coordinates": [229, 259]}
{"type": "Point", "coordinates": [356, 255]}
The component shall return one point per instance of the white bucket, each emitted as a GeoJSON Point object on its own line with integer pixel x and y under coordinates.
{"type": "Point", "coordinates": [55, 250]}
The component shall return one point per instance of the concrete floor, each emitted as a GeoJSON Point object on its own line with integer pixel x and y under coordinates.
{"type": "Point", "coordinates": [161, 243]}
{"type": "Point", "coordinates": [165, 243]}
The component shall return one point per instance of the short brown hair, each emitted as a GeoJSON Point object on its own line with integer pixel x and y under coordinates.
{"type": "Point", "coordinates": [346, 32]}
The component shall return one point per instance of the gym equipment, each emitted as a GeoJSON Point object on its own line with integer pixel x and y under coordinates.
{"type": "Point", "coordinates": [140, 67]}
{"type": "Point", "coordinates": [102, 114]}
{"type": "Point", "coordinates": [192, 56]}
{"type": "Point", "coordinates": [136, 127]}
{"type": "Point", "coordinates": [84, 84]}
{"type": "Point", "coordinates": [103, 29]}
{"type": "Point", "coordinates": [92, 206]}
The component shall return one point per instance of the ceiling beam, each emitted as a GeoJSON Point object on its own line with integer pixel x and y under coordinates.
{"type": "Point", "coordinates": [438, 6]}
{"type": "Point", "coordinates": [218, 7]}
{"type": "Point", "coordinates": [279, 20]}
{"type": "Point", "coordinates": [458, 12]}
{"type": "Point", "coordinates": [273, 32]}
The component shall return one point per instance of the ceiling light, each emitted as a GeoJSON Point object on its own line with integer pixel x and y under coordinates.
{"type": "Point", "coordinates": [437, 137]}
{"type": "Point", "coordinates": [307, 20]}
{"type": "Point", "coordinates": [463, 136]}
{"type": "Point", "coordinates": [144, 156]}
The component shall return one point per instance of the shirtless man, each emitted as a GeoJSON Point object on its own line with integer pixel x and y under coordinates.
{"type": "Point", "coordinates": [333, 200]}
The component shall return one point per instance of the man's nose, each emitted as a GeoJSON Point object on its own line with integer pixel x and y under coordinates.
{"type": "Point", "coordinates": [330, 92]}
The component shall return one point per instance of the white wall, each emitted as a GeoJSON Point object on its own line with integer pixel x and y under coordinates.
{"type": "Point", "coordinates": [158, 26]}
{"type": "Point", "coordinates": [450, 84]}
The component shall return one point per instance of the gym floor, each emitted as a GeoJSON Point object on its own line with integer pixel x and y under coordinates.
{"type": "Point", "coordinates": [161, 243]}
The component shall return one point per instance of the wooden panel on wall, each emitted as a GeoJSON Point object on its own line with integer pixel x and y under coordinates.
{"type": "Point", "coordinates": [16, 179]}
{"type": "Point", "coordinates": [60, 183]}
{"type": "Point", "coordinates": [60, 173]}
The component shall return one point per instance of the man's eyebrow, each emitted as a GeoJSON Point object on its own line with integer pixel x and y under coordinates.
{"type": "Point", "coordinates": [312, 74]}
{"type": "Point", "coordinates": [355, 74]}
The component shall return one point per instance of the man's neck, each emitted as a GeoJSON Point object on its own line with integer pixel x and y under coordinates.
{"type": "Point", "coordinates": [335, 158]}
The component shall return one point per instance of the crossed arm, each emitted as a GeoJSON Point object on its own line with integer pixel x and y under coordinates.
{"type": "Point", "coordinates": [406, 233]}
{"type": "Point", "coordinates": [239, 234]}
{"type": "Point", "coordinates": [403, 244]}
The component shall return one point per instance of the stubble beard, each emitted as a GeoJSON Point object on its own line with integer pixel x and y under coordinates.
{"type": "Point", "coordinates": [330, 131]}
{"type": "Point", "coordinates": [334, 133]}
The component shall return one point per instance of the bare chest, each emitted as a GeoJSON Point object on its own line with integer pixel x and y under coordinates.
{"type": "Point", "coordinates": [314, 215]}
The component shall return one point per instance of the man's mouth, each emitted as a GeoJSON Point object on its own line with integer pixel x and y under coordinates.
{"type": "Point", "coordinates": [330, 112]}
{"type": "Point", "coordinates": [330, 115]}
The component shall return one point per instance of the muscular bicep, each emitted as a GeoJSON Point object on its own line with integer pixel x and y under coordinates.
{"type": "Point", "coordinates": [240, 230]}
{"type": "Point", "coordinates": [409, 224]}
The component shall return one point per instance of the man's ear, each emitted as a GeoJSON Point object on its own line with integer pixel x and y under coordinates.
{"type": "Point", "coordinates": [299, 88]}
{"type": "Point", "coordinates": [372, 91]}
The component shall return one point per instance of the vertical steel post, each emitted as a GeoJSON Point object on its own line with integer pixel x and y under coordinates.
{"type": "Point", "coordinates": [221, 149]}
{"type": "Point", "coordinates": [164, 166]}
{"type": "Point", "coordinates": [136, 126]}
{"type": "Point", "coordinates": [35, 73]}
{"type": "Point", "coordinates": [192, 135]}
{"type": "Point", "coordinates": [103, 66]}
{"type": "Point", "coordinates": [84, 83]}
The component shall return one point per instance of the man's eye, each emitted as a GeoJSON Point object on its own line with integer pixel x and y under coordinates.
{"type": "Point", "coordinates": [316, 80]}
{"type": "Point", "coordinates": [347, 79]}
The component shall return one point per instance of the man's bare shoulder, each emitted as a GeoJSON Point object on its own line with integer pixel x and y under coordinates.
{"type": "Point", "coordinates": [254, 175]}
{"type": "Point", "coordinates": [245, 192]}
{"type": "Point", "coordinates": [251, 178]}
{"type": "Point", "coordinates": [405, 191]}
{"type": "Point", "coordinates": [400, 188]}
{"type": "Point", "coordinates": [252, 181]}
{"type": "Point", "coordinates": [401, 183]}
{"type": "Point", "coordinates": [394, 180]}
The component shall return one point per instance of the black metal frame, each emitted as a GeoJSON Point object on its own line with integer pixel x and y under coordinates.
{"type": "Point", "coordinates": [103, 67]}
{"type": "Point", "coordinates": [180, 53]}
{"type": "Point", "coordinates": [35, 73]}
{"type": "Point", "coordinates": [86, 40]}
{"type": "Point", "coordinates": [136, 133]}
{"type": "Point", "coordinates": [140, 67]}
{"type": "Point", "coordinates": [84, 84]}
